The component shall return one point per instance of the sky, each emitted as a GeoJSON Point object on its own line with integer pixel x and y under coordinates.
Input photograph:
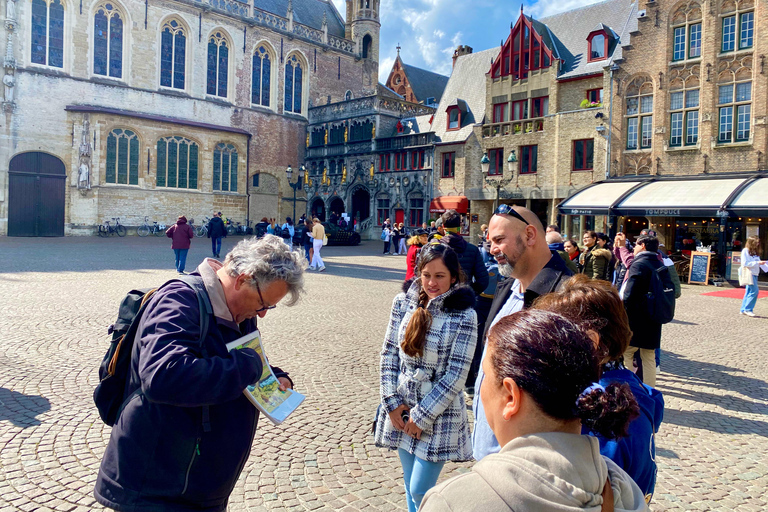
{"type": "Point", "coordinates": [428, 31]}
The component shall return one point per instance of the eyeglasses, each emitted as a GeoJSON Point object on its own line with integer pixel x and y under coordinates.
{"type": "Point", "coordinates": [263, 308]}
{"type": "Point", "coordinates": [505, 209]}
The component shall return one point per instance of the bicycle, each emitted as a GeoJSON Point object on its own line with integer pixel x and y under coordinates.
{"type": "Point", "coordinates": [155, 229]}
{"type": "Point", "coordinates": [232, 227]}
{"type": "Point", "coordinates": [202, 230]}
{"type": "Point", "coordinates": [106, 229]}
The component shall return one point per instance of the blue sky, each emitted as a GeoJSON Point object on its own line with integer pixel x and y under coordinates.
{"type": "Point", "coordinates": [429, 30]}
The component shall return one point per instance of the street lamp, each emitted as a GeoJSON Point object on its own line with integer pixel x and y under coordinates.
{"type": "Point", "coordinates": [295, 186]}
{"type": "Point", "coordinates": [498, 180]}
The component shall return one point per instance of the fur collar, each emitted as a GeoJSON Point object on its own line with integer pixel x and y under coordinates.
{"type": "Point", "coordinates": [458, 298]}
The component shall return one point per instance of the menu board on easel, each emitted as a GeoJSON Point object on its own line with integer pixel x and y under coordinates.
{"type": "Point", "coordinates": [698, 271]}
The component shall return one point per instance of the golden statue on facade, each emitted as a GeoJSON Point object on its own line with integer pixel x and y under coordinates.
{"type": "Point", "coordinates": [344, 173]}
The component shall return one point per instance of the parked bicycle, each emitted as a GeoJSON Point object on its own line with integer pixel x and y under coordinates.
{"type": "Point", "coordinates": [232, 227]}
{"type": "Point", "coordinates": [202, 230]}
{"type": "Point", "coordinates": [155, 229]}
{"type": "Point", "coordinates": [106, 229]}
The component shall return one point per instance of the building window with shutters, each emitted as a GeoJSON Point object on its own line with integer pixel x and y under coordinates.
{"type": "Point", "coordinates": [218, 65]}
{"type": "Point", "coordinates": [734, 106]}
{"type": "Point", "coordinates": [225, 168]}
{"type": "Point", "coordinates": [173, 54]}
{"type": "Point", "coordinates": [48, 33]}
{"type": "Point", "coordinates": [529, 156]}
{"type": "Point", "coordinates": [108, 41]}
{"type": "Point", "coordinates": [177, 163]}
{"type": "Point", "coordinates": [122, 158]}
{"type": "Point", "coordinates": [583, 154]}
{"type": "Point", "coordinates": [261, 77]}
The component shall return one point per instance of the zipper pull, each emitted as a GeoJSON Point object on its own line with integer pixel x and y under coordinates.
{"type": "Point", "coordinates": [197, 447]}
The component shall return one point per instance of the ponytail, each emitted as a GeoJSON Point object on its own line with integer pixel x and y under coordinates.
{"type": "Point", "coordinates": [416, 331]}
{"type": "Point", "coordinates": [607, 411]}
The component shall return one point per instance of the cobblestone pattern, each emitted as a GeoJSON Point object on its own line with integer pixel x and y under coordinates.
{"type": "Point", "coordinates": [58, 295]}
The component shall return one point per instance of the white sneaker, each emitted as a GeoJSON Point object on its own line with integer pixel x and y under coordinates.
{"type": "Point", "coordinates": [749, 313]}
{"type": "Point", "coordinates": [311, 268]}
{"type": "Point", "coordinates": [321, 269]}
{"type": "Point", "coordinates": [658, 370]}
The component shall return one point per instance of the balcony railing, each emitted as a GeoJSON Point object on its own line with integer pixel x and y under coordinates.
{"type": "Point", "coordinates": [369, 105]}
{"type": "Point", "coordinates": [421, 139]}
{"type": "Point", "coordinates": [513, 127]}
{"type": "Point", "coordinates": [340, 149]}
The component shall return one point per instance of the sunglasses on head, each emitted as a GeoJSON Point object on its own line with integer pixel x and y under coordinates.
{"type": "Point", "coordinates": [505, 209]}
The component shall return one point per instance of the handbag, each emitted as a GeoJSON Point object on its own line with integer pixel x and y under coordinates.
{"type": "Point", "coordinates": [325, 240]}
{"type": "Point", "coordinates": [745, 276]}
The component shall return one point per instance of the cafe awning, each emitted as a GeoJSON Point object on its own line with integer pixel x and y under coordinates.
{"type": "Point", "coordinates": [443, 203]}
{"type": "Point", "coordinates": [678, 198]}
{"type": "Point", "coordinates": [597, 199]}
{"type": "Point", "coordinates": [752, 199]}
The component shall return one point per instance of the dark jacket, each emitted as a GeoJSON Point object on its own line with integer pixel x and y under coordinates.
{"type": "Point", "coordinates": [549, 279]}
{"type": "Point", "coordinates": [181, 233]}
{"type": "Point", "coordinates": [471, 261]}
{"type": "Point", "coordinates": [635, 453]}
{"type": "Point", "coordinates": [597, 263]}
{"type": "Point", "coordinates": [216, 228]}
{"type": "Point", "coordinates": [646, 333]}
{"type": "Point", "coordinates": [159, 456]}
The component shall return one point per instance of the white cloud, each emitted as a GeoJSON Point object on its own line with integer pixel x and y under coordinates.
{"type": "Point", "coordinates": [385, 66]}
{"type": "Point", "coordinates": [544, 8]}
{"type": "Point", "coordinates": [439, 34]}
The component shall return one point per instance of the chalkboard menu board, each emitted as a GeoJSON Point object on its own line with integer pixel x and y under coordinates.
{"type": "Point", "coordinates": [698, 272]}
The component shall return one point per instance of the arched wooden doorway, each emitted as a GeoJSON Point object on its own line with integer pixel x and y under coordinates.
{"type": "Point", "coordinates": [36, 192]}
{"type": "Point", "coordinates": [361, 204]}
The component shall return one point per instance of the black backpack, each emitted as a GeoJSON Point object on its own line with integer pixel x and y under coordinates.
{"type": "Point", "coordinates": [661, 296]}
{"type": "Point", "coordinates": [111, 393]}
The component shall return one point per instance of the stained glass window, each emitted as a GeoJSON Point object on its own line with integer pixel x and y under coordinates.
{"type": "Point", "coordinates": [48, 33]}
{"type": "Point", "coordinates": [122, 157]}
{"type": "Point", "coordinates": [293, 85]}
{"type": "Point", "coordinates": [225, 168]}
{"type": "Point", "coordinates": [172, 55]}
{"type": "Point", "coordinates": [108, 42]}
{"type": "Point", "coordinates": [218, 65]}
{"type": "Point", "coordinates": [261, 75]}
{"type": "Point", "coordinates": [177, 163]}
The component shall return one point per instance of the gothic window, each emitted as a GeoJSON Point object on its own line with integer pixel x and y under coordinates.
{"type": "Point", "coordinates": [639, 114]}
{"type": "Point", "coordinates": [738, 30]}
{"type": "Point", "coordinates": [261, 77]}
{"type": "Point", "coordinates": [367, 43]}
{"type": "Point", "coordinates": [686, 32]}
{"type": "Point", "coordinates": [218, 65]}
{"type": "Point", "coordinates": [225, 168]}
{"type": "Point", "coordinates": [734, 112]}
{"type": "Point", "coordinates": [348, 96]}
{"type": "Point", "coordinates": [177, 163]}
{"type": "Point", "coordinates": [108, 42]}
{"type": "Point", "coordinates": [361, 131]}
{"type": "Point", "coordinates": [48, 33]}
{"type": "Point", "coordinates": [523, 51]}
{"type": "Point", "coordinates": [122, 157]}
{"type": "Point", "coordinates": [684, 113]}
{"type": "Point", "coordinates": [173, 48]}
{"type": "Point", "coordinates": [293, 85]}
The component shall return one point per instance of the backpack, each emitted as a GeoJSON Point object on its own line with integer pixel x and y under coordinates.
{"type": "Point", "coordinates": [661, 296]}
{"type": "Point", "coordinates": [383, 235]}
{"type": "Point", "coordinates": [114, 371]}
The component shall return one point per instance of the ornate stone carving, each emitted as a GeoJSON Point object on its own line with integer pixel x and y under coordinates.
{"type": "Point", "coordinates": [85, 150]}
{"type": "Point", "coordinates": [735, 68]}
{"type": "Point", "coordinates": [637, 164]}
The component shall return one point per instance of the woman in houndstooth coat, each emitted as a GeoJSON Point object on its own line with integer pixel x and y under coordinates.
{"type": "Point", "coordinates": [424, 363]}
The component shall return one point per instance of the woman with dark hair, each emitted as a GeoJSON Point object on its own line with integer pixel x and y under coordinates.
{"type": "Point", "coordinates": [424, 362]}
{"type": "Point", "coordinates": [750, 258]}
{"type": "Point", "coordinates": [540, 388]}
{"type": "Point", "coordinates": [589, 304]}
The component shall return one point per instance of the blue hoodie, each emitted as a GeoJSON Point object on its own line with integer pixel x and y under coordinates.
{"type": "Point", "coordinates": [635, 453]}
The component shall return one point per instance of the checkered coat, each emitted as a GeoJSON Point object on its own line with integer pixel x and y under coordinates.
{"type": "Point", "coordinates": [431, 385]}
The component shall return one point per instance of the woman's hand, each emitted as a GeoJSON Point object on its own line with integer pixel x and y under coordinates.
{"type": "Point", "coordinates": [285, 384]}
{"type": "Point", "coordinates": [412, 430]}
{"type": "Point", "coordinates": [396, 416]}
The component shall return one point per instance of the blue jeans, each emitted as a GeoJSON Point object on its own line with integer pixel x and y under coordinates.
{"type": "Point", "coordinates": [181, 259]}
{"type": "Point", "coordinates": [750, 296]}
{"type": "Point", "coordinates": [216, 245]}
{"type": "Point", "coordinates": [419, 475]}
{"type": "Point", "coordinates": [306, 251]}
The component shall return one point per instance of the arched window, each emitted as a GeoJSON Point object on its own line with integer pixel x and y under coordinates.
{"type": "Point", "coordinates": [348, 96]}
{"type": "Point", "coordinates": [173, 51]}
{"type": "Point", "coordinates": [686, 32]}
{"type": "Point", "coordinates": [367, 43]}
{"type": "Point", "coordinates": [218, 65]}
{"type": "Point", "coordinates": [177, 162]}
{"type": "Point", "coordinates": [108, 42]}
{"type": "Point", "coordinates": [293, 85]}
{"type": "Point", "coordinates": [225, 168]}
{"type": "Point", "coordinates": [597, 46]}
{"type": "Point", "coordinates": [122, 157]}
{"type": "Point", "coordinates": [262, 77]}
{"type": "Point", "coordinates": [48, 33]}
{"type": "Point", "coordinates": [639, 113]}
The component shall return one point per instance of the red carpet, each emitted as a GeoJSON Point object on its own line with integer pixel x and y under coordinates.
{"type": "Point", "coordinates": [735, 293]}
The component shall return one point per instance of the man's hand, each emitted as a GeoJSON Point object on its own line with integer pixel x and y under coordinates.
{"type": "Point", "coordinates": [396, 416]}
{"type": "Point", "coordinates": [412, 430]}
{"type": "Point", "coordinates": [620, 240]}
{"type": "Point", "coordinates": [285, 384]}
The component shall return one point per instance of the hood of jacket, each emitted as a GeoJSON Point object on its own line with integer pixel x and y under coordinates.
{"type": "Point", "coordinates": [182, 220]}
{"type": "Point", "coordinates": [458, 298]}
{"type": "Point", "coordinates": [557, 471]}
{"type": "Point", "coordinates": [557, 247]}
{"type": "Point", "coordinates": [455, 242]}
{"type": "Point", "coordinates": [600, 252]}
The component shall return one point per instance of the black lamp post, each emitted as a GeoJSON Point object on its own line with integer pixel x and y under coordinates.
{"type": "Point", "coordinates": [295, 186]}
{"type": "Point", "coordinates": [497, 181]}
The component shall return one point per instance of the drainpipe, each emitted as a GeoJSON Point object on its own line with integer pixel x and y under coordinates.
{"type": "Point", "coordinates": [614, 67]}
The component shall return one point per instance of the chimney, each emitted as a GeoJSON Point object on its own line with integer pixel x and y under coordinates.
{"type": "Point", "coordinates": [461, 50]}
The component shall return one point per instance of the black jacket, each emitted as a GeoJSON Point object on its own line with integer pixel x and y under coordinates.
{"type": "Point", "coordinates": [549, 279]}
{"type": "Point", "coordinates": [471, 261]}
{"type": "Point", "coordinates": [216, 228]}
{"type": "Point", "coordinates": [645, 332]}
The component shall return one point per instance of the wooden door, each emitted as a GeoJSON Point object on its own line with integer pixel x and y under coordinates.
{"type": "Point", "coordinates": [36, 195]}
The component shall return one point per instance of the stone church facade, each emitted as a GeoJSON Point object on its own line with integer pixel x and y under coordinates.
{"type": "Point", "coordinates": [178, 107]}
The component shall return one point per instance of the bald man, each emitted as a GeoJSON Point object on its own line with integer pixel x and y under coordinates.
{"type": "Point", "coordinates": [520, 248]}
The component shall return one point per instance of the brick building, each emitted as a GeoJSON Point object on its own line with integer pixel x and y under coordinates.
{"type": "Point", "coordinates": [414, 84]}
{"type": "Point", "coordinates": [131, 109]}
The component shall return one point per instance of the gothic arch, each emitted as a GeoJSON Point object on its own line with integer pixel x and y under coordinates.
{"type": "Point", "coordinates": [303, 62]}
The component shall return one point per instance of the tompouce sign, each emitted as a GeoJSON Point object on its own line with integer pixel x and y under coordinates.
{"type": "Point", "coordinates": [663, 212]}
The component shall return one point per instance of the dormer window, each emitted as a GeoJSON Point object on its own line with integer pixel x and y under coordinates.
{"type": "Point", "coordinates": [454, 118]}
{"type": "Point", "coordinates": [598, 46]}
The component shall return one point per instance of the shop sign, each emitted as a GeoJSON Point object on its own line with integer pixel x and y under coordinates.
{"type": "Point", "coordinates": [662, 212]}
{"type": "Point", "coordinates": [580, 212]}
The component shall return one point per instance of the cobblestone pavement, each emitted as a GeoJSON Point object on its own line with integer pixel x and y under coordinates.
{"type": "Point", "coordinates": [58, 295]}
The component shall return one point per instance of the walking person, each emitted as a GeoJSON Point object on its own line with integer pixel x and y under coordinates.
{"type": "Point", "coordinates": [416, 242]}
{"type": "Point", "coordinates": [750, 259]}
{"type": "Point", "coordinates": [181, 235]}
{"type": "Point", "coordinates": [542, 386]}
{"type": "Point", "coordinates": [216, 231]}
{"type": "Point", "coordinates": [402, 249]}
{"type": "Point", "coordinates": [424, 362]}
{"type": "Point", "coordinates": [318, 235]}
{"type": "Point", "coordinates": [386, 236]}
{"type": "Point", "coordinates": [306, 239]}
{"type": "Point", "coordinates": [288, 231]}
{"type": "Point", "coordinates": [396, 233]}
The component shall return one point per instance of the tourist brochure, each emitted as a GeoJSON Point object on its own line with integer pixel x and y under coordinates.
{"type": "Point", "coordinates": [264, 394]}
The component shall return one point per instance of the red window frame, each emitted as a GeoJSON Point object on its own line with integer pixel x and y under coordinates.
{"type": "Point", "coordinates": [450, 158]}
{"type": "Point", "coordinates": [521, 108]}
{"type": "Point", "coordinates": [536, 103]}
{"type": "Point", "coordinates": [605, 46]}
{"type": "Point", "coordinates": [400, 161]}
{"type": "Point", "coordinates": [595, 93]}
{"type": "Point", "coordinates": [524, 49]}
{"type": "Point", "coordinates": [417, 159]}
{"type": "Point", "coordinates": [384, 162]}
{"type": "Point", "coordinates": [496, 156]}
{"type": "Point", "coordinates": [587, 162]}
{"type": "Point", "coordinates": [448, 118]}
{"type": "Point", "coordinates": [529, 157]}
{"type": "Point", "coordinates": [499, 112]}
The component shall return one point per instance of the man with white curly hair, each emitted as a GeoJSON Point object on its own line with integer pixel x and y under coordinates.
{"type": "Point", "coordinates": [186, 428]}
